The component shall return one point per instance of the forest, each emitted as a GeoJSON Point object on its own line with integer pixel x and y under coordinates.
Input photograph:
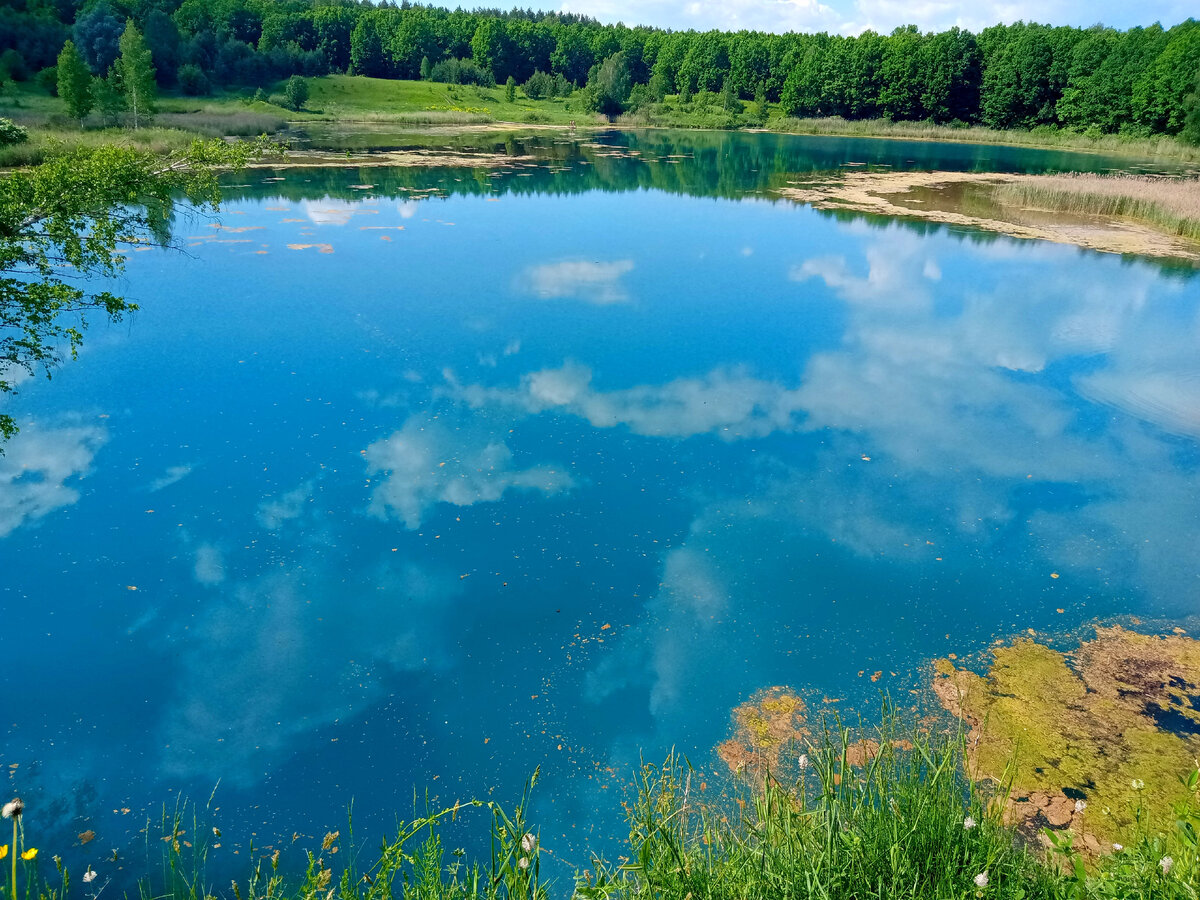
{"type": "Point", "coordinates": [1142, 81]}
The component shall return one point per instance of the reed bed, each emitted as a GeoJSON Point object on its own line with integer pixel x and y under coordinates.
{"type": "Point", "coordinates": [45, 142]}
{"type": "Point", "coordinates": [222, 124]}
{"type": "Point", "coordinates": [1171, 204]}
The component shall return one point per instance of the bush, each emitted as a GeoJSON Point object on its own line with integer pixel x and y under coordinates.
{"type": "Point", "coordinates": [539, 86]}
{"type": "Point", "coordinates": [461, 71]}
{"type": "Point", "coordinates": [47, 80]}
{"type": "Point", "coordinates": [12, 133]}
{"type": "Point", "coordinates": [295, 92]}
{"type": "Point", "coordinates": [193, 81]}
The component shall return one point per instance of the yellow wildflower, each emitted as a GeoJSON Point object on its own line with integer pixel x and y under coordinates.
{"type": "Point", "coordinates": [3, 851]}
{"type": "Point", "coordinates": [29, 854]}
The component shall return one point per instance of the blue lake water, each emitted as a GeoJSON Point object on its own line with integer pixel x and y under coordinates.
{"type": "Point", "coordinates": [428, 477]}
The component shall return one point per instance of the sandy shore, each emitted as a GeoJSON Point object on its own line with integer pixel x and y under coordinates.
{"type": "Point", "coordinates": [940, 197]}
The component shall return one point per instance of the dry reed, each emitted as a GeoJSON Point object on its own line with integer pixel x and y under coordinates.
{"type": "Point", "coordinates": [1172, 204]}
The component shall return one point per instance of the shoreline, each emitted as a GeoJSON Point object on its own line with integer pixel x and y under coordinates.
{"type": "Point", "coordinates": [939, 197]}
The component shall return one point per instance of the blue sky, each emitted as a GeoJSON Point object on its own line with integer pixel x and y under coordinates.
{"type": "Point", "coordinates": [853, 16]}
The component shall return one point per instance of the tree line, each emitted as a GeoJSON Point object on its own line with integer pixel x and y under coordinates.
{"type": "Point", "coordinates": [1140, 81]}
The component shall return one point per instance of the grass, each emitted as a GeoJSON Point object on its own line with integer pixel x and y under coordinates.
{"type": "Point", "coordinates": [1170, 204]}
{"type": "Point", "coordinates": [344, 99]}
{"type": "Point", "coordinates": [902, 821]}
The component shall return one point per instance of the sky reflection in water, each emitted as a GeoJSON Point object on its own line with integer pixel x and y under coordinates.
{"type": "Point", "coordinates": [381, 488]}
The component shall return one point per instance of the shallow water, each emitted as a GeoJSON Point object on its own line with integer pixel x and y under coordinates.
{"type": "Point", "coordinates": [429, 477]}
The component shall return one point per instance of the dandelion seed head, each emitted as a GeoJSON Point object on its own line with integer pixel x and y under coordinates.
{"type": "Point", "coordinates": [89, 876]}
{"type": "Point", "coordinates": [1117, 848]}
{"type": "Point", "coordinates": [523, 863]}
{"type": "Point", "coordinates": [981, 880]}
{"type": "Point", "coordinates": [529, 842]}
{"type": "Point", "coordinates": [1165, 864]}
{"type": "Point", "coordinates": [13, 808]}
{"type": "Point", "coordinates": [969, 823]}
{"type": "Point", "coordinates": [803, 761]}
{"type": "Point", "coordinates": [1080, 805]}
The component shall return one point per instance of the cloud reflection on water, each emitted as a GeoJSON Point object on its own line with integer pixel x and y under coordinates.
{"type": "Point", "coordinates": [38, 470]}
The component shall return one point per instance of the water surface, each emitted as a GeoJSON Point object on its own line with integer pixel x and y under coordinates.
{"type": "Point", "coordinates": [432, 476]}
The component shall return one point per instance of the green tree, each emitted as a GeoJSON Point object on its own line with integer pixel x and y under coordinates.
{"type": "Point", "coordinates": [74, 82]}
{"type": "Point", "coordinates": [1191, 122]}
{"type": "Point", "coordinates": [137, 74]}
{"type": "Point", "coordinates": [76, 210]}
{"type": "Point", "coordinates": [425, 68]}
{"type": "Point", "coordinates": [760, 110]}
{"type": "Point", "coordinates": [295, 92]}
{"type": "Point", "coordinates": [609, 85]}
{"type": "Point", "coordinates": [510, 90]}
{"type": "Point", "coordinates": [109, 98]}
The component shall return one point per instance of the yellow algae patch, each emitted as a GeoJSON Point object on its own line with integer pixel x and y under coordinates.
{"type": "Point", "coordinates": [1088, 738]}
{"type": "Point", "coordinates": [321, 248]}
{"type": "Point", "coordinates": [763, 728]}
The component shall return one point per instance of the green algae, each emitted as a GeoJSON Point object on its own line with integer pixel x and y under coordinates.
{"type": "Point", "coordinates": [1112, 725]}
{"type": "Point", "coordinates": [762, 728]}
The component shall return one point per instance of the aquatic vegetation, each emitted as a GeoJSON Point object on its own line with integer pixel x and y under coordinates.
{"type": "Point", "coordinates": [763, 728]}
{"type": "Point", "coordinates": [1093, 740]}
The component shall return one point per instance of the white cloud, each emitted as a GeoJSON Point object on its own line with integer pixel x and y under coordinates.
{"type": "Point", "coordinates": [426, 462]}
{"type": "Point", "coordinates": [209, 568]}
{"type": "Point", "coordinates": [592, 282]}
{"type": "Point", "coordinates": [38, 470]}
{"type": "Point", "coordinates": [324, 647]}
{"type": "Point", "coordinates": [330, 211]}
{"type": "Point", "coordinates": [274, 511]}
{"type": "Point", "coordinates": [854, 16]}
{"type": "Point", "coordinates": [729, 403]}
{"type": "Point", "coordinates": [170, 477]}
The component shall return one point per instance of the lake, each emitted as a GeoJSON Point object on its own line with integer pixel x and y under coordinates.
{"type": "Point", "coordinates": [420, 478]}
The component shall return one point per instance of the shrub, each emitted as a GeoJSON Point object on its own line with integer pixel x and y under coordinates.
{"type": "Point", "coordinates": [47, 80]}
{"type": "Point", "coordinates": [539, 86]}
{"type": "Point", "coordinates": [461, 71]}
{"type": "Point", "coordinates": [193, 81]}
{"type": "Point", "coordinates": [12, 133]}
{"type": "Point", "coordinates": [295, 92]}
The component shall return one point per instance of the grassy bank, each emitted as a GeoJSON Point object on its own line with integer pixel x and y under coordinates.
{"type": "Point", "coordinates": [343, 99]}
{"type": "Point", "coordinates": [1172, 205]}
{"type": "Point", "coordinates": [892, 814]}
{"type": "Point", "coordinates": [333, 100]}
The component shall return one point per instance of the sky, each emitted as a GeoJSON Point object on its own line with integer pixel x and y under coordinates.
{"type": "Point", "coordinates": [854, 16]}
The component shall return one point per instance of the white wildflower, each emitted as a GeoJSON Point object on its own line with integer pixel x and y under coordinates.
{"type": "Point", "coordinates": [803, 761]}
{"type": "Point", "coordinates": [13, 808]}
{"type": "Point", "coordinates": [969, 823]}
{"type": "Point", "coordinates": [1117, 848]}
{"type": "Point", "coordinates": [1165, 864]}
{"type": "Point", "coordinates": [981, 880]}
{"type": "Point", "coordinates": [1137, 784]}
{"type": "Point", "coordinates": [89, 876]}
{"type": "Point", "coordinates": [529, 842]}
{"type": "Point", "coordinates": [1080, 806]}
{"type": "Point", "coordinates": [523, 863]}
